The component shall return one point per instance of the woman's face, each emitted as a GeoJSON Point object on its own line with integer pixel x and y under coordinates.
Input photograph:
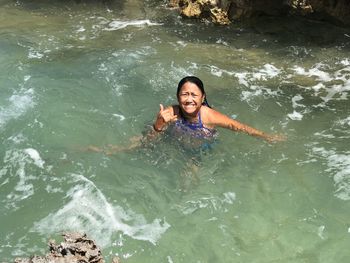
{"type": "Point", "coordinates": [190, 98]}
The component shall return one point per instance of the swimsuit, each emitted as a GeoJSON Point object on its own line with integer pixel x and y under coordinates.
{"type": "Point", "coordinates": [193, 135]}
{"type": "Point", "coordinates": [196, 129]}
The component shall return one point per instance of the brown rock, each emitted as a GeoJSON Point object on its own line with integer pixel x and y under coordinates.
{"type": "Point", "coordinates": [76, 248]}
{"type": "Point", "coordinates": [224, 11]}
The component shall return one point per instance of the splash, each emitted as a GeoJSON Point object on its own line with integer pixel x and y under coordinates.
{"type": "Point", "coordinates": [89, 211]}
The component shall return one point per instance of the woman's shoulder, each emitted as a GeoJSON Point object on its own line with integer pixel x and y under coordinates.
{"type": "Point", "coordinates": [211, 117]}
{"type": "Point", "coordinates": [207, 111]}
{"type": "Point", "coordinates": [207, 116]}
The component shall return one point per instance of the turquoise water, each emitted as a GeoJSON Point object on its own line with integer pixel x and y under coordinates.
{"type": "Point", "coordinates": [74, 75]}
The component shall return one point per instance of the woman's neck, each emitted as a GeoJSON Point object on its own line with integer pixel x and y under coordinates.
{"type": "Point", "coordinates": [190, 117]}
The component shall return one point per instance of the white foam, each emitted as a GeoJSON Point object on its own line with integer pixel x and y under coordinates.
{"type": "Point", "coordinates": [344, 122]}
{"type": "Point", "coordinates": [18, 105]}
{"type": "Point", "coordinates": [318, 87]}
{"type": "Point", "coordinates": [17, 138]}
{"type": "Point", "coordinates": [268, 71]}
{"type": "Point", "coordinates": [339, 165]}
{"type": "Point", "coordinates": [15, 169]}
{"type": "Point", "coordinates": [295, 116]}
{"type": "Point", "coordinates": [295, 100]}
{"type": "Point", "coordinates": [345, 62]}
{"type": "Point", "coordinates": [220, 41]}
{"type": "Point", "coordinates": [80, 29]}
{"type": "Point", "coordinates": [34, 154]}
{"type": "Point", "coordinates": [229, 197]}
{"type": "Point", "coordinates": [338, 91]}
{"type": "Point", "coordinates": [181, 43]}
{"type": "Point", "coordinates": [35, 54]}
{"type": "Point", "coordinates": [324, 135]}
{"type": "Point", "coordinates": [216, 71]}
{"type": "Point", "coordinates": [242, 78]}
{"type": "Point", "coordinates": [320, 232]}
{"type": "Point", "coordinates": [212, 203]}
{"type": "Point", "coordinates": [118, 24]}
{"type": "Point", "coordinates": [121, 117]}
{"type": "Point", "coordinates": [314, 72]}
{"type": "Point", "coordinates": [89, 211]}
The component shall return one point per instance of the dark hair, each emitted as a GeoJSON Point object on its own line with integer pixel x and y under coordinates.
{"type": "Point", "coordinates": [195, 81]}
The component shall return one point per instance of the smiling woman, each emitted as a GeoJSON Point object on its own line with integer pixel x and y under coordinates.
{"type": "Point", "coordinates": [192, 122]}
{"type": "Point", "coordinates": [194, 116]}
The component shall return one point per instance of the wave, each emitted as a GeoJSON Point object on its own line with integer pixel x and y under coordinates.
{"type": "Point", "coordinates": [89, 211]}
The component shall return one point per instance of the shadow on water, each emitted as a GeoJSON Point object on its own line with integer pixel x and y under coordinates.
{"type": "Point", "coordinates": [283, 31]}
{"type": "Point", "coordinates": [65, 4]}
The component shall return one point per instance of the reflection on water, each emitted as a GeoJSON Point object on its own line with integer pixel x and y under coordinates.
{"type": "Point", "coordinates": [75, 74]}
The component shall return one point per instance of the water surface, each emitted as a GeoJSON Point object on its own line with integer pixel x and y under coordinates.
{"type": "Point", "coordinates": [74, 75]}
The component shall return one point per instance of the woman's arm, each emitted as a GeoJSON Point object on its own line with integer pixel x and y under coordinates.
{"type": "Point", "coordinates": [164, 117]}
{"type": "Point", "coordinates": [216, 118]}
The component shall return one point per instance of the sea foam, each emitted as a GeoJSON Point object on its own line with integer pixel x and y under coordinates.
{"type": "Point", "coordinates": [339, 165]}
{"type": "Point", "coordinates": [88, 210]}
{"type": "Point", "coordinates": [35, 156]}
{"type": "Point", "coordinates": [118, 24]}
{"type": "Point", "coordinates": [326, 80]}
{"type": "Point", "coordinates": [19, 103]}
{"type": "Point", "coordinates": [212, 203]}
{"type": "Point", "coordinates": [17, 170]}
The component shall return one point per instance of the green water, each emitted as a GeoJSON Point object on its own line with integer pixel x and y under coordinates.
{"type": "Point", "coordinates": [74, 75]}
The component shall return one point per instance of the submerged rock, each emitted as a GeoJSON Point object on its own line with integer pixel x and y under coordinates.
{"type": "Point", "coordinates": [223, 12]}
{"type": "Point", "coordinates": [76, 248]}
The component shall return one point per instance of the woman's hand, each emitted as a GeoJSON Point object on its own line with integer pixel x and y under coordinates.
{"type": "Point", "coordinates": [164, 117]}
{"type": "Point", "coordinates": [276, 138]}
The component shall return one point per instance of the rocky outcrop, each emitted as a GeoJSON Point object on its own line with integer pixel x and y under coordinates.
{"type": "Point", "coordinates": [331, 10]}
{"type": "Point", "coordinates": [223, 12]}
{"type": "Point", "coordinates": [76, 248]}
{"type": "Point", "coordinates": [204, 9]}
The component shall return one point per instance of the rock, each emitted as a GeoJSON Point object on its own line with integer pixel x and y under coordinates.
{"type": "Point", "coordinates": [225, 11]}
{"type": "Point", "coordinates": [76, 248]}
{"type": "Point", "coordinates": [204, 9]}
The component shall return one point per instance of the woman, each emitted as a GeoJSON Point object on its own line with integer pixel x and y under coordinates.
{"type": "Point", "coordinates": [193, 121]}
{"type": "Point", "coordinates": [194, 117]}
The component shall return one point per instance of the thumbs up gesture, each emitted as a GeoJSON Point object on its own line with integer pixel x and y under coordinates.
{"type": "Point", "coordinates": [164, 117]}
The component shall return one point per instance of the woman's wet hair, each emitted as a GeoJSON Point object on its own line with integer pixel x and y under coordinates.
{"type": "Point", "coordinates": [195, 81]}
